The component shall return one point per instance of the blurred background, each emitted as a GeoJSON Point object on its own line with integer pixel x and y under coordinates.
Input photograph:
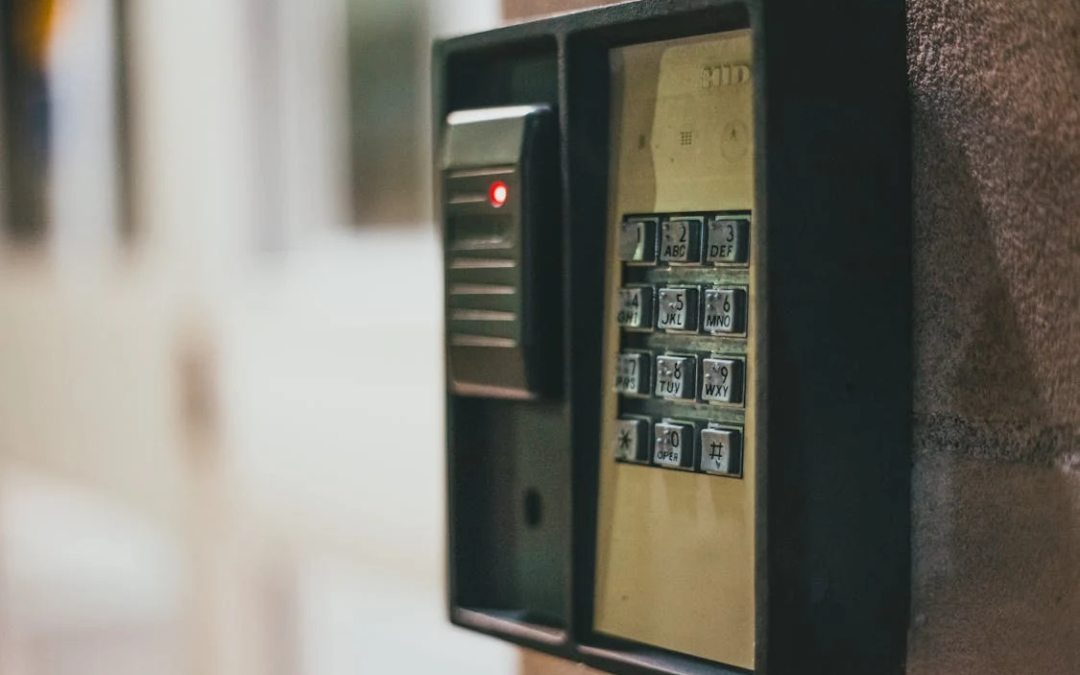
{"type": "Point", "coordinates": [220, 353]}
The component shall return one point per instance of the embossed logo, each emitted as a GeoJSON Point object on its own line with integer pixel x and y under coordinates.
{"type": "Point", "coordinates": [725, 75]}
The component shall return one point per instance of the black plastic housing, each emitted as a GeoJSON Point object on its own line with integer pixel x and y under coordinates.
{"type": "Point", "coordinates": [832, 212]}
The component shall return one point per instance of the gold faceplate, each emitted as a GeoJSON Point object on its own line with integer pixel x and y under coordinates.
{"type": "Point", "coordinates": [676, 550]}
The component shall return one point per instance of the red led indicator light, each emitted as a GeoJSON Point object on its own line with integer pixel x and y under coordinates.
{"type": "Point", "coordinates": [497, 194]}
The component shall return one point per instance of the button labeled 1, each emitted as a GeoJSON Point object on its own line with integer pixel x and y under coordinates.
{"type": "Point", "coordinates": [675, 376]}
{"type": "Point", "coordinates": [721, 380]}
{"type": "Point", "coordinates": [726, 240]}
{"type": "Point", "coordinates": [632, 440]}
{"type": "Point", "coordinates": [637, 240]}
{"type": "Point", "coordinates": [673, 445]}
{"type": "Point", "coordinates": [635, 308]}
{"type": "Point", "coordinates": [721, 452]}
{"type": "Point", "coordinates": [725, 311]}
{"type": "Point", "coordinates": [632, 374]}
{"type": "Point", "coordinates": [680, 240]}
{"type": "Point", "coordinates": [678, 309]}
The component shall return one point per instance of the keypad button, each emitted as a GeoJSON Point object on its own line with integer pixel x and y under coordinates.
{"type": "Point", "coordinates": [635, 308]}
{"type": "Point", "coordinates": [725, 311]}
{"type": "Point", "coordinates": [632, 440]}
{"type": "Point", "coordinates": [632, 374]}
{"type": "Point", "coordinates": [675, 376]}
{"type": "Point", "coordinates": [673, 444]}
{"type": "Point", "coordinates": [680, 240]}
{"type": "Point", "coordinates": [678, 309]}
{"type": "Point", "coordinates": [726, 240]}
{"type": "Point", "coordinates": [637, 240]}
{"type": "Point", "coordinates": [721, 380]}
{"type": "Point", "coordinates": [721, 452]}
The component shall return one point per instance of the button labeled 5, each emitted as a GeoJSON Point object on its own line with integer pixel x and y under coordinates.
{"type": "Point", "coordinates": [678, 309]}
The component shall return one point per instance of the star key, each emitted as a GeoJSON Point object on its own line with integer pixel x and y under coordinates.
{"type": "Point", "coordinates": [630, 440]}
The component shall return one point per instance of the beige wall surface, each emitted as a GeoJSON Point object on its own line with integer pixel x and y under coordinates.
{"type": "Point", "coordinates": [996, 501]}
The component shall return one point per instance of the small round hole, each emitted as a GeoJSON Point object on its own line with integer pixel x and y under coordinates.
{"type": "Point", "coordinates": [533, 508]}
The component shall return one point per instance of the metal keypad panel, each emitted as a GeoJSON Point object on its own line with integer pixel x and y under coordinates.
{"type": "Point", "coordinates": [682, 315]}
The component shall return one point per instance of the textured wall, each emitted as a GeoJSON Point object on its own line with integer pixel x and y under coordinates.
{"type": "Point", "coordinates": [996, 96]}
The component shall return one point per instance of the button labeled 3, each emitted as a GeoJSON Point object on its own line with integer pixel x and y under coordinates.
{"type": "Point", "coordinates": [727, 240]}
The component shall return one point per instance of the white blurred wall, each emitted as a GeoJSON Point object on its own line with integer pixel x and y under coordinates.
{"type": "Point", "coordinates": [221, 444]}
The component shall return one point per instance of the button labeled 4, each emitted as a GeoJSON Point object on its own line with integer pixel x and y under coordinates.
{"type": "Point", "coordinates": [635, 307]}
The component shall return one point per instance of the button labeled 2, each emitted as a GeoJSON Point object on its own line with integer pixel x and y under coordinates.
{"type": "Point", "coordinates": [680, 240]}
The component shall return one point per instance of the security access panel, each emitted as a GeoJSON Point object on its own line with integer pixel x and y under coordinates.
{"type": "Point", "coordinates": [678, 297]}
{"type": "Point", "coordinates": [675, 536]}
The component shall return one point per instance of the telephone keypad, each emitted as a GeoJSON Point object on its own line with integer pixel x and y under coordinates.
{"type": "Point", "coordinates": [683, 321]}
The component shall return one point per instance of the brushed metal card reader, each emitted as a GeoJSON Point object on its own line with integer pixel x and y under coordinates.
{"type": "Point", "coordinates": [501, 217]}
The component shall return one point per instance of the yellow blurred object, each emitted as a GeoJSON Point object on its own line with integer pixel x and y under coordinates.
{"type": "Point", "coordinates": [35, 27]}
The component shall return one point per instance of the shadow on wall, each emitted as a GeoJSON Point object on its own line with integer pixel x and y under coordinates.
{"type": "Point", "coordinates": [997, 237]}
